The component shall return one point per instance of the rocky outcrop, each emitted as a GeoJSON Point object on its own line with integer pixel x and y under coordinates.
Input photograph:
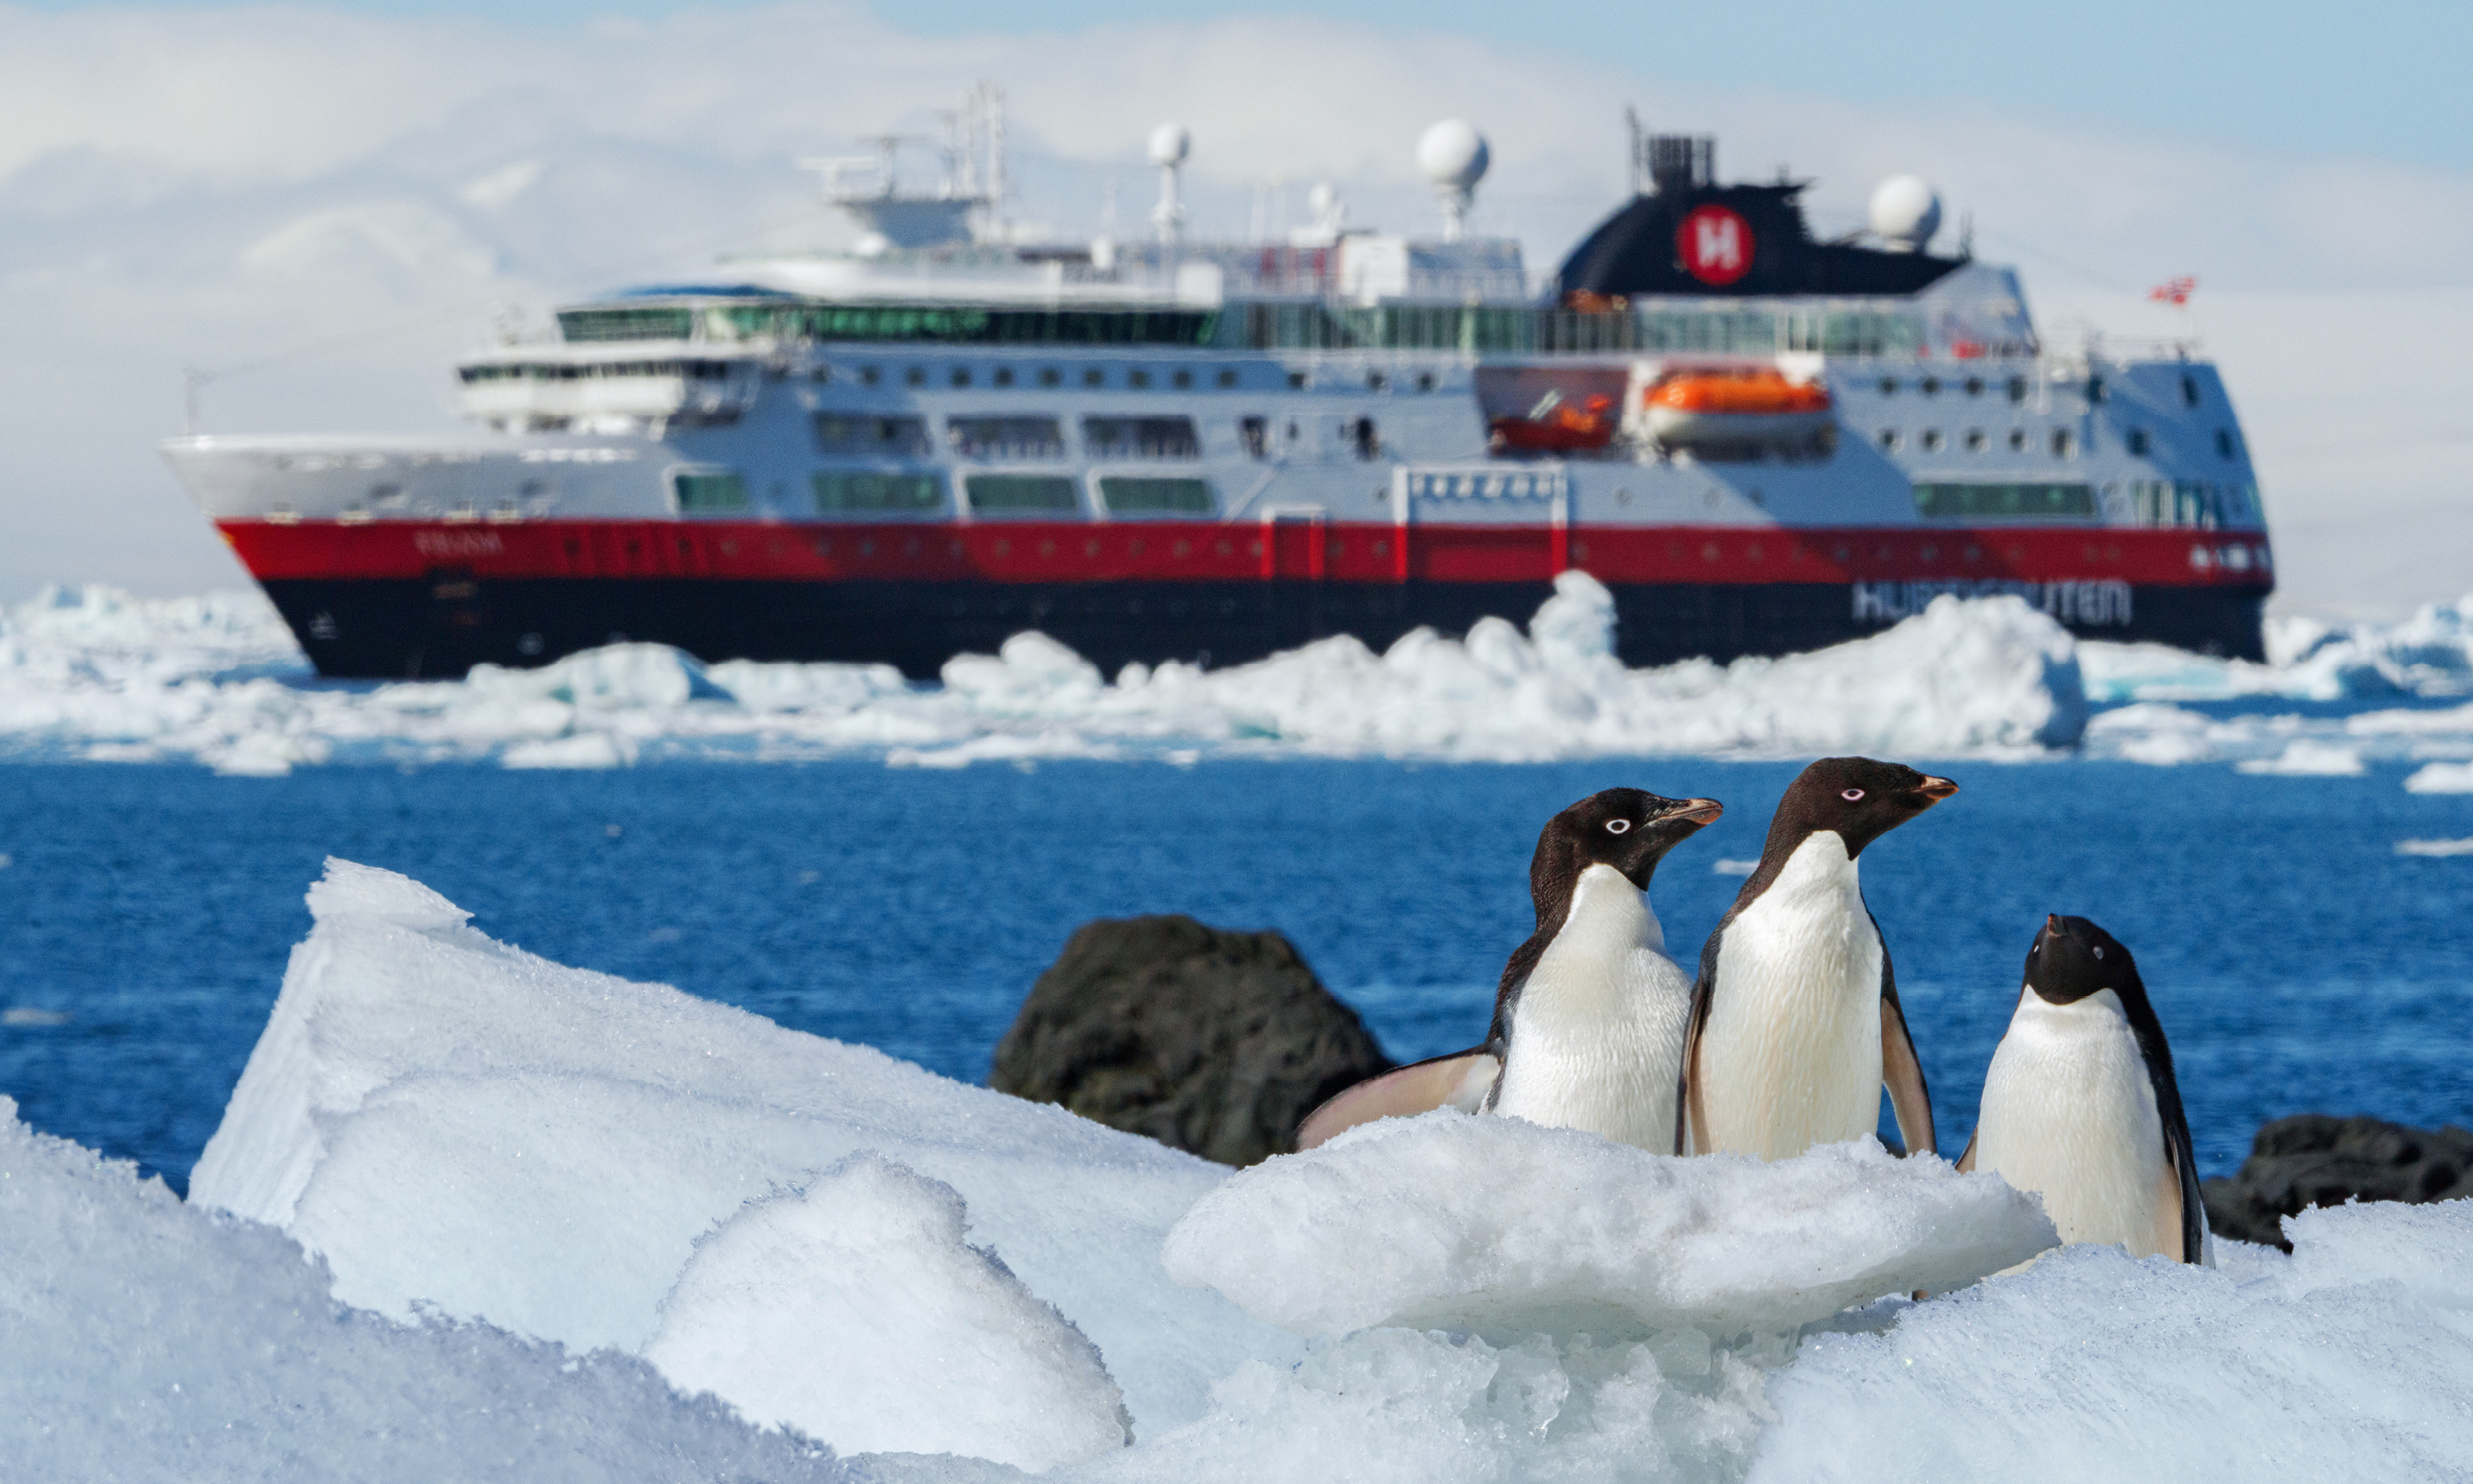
{"type": "Point", "coordinates": [2316, 1159]}
{"type": "Point", "coordinates": [1213, 1042]}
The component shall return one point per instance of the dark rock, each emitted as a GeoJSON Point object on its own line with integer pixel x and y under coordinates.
{"type": "Point", "coordinates": [2316, 1159]}
{"type": "Point", "coordinates": [1211, 1042]}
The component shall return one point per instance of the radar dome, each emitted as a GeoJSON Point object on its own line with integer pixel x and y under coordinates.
{"type": "Point", "coordinates": [1906, 212]}
{"type": "Point", "coordinates": [1170, 144]}
{"type": "Point", "coordinates": [1452, 155]}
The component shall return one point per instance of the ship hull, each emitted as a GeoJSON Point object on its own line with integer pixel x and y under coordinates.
{"type": "Point", "coordinates": [434, 601]}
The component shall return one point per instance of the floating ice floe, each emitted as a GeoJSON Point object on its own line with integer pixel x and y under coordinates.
{"type": "Point", "coordinates": [2429, 654]}
{"type": "Point", "coordinates": [2441, 777]}
{"type": "Point", "coordinates": [219, 683]}
{"type": "Point", "coordinates": [2303, 758]}
{"type": "Point", "coordinates": [491, 1150]}
{"type": "Point", "coordinates": [2438, 848]}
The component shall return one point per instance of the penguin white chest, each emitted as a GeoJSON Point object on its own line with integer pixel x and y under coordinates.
{"type": "Point", "coordinates": [2069, 1111]}
{"type": "Point", "coordinates": [1790, 1056]}
{"type": "Point", "coordinates": [1597, 1035]}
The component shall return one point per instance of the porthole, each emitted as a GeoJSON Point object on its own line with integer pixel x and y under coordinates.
{"type": "Point", "coordinates": [1296, 381]}
{"type": "Point", "coordinates": [917, 375]}
{"type": "Point", "coordinates": [1424, 381]}
{"type": "Point", "coordinates": [1049, 376]}
{"type": "Point", "coordinates": [1138, 378]}
{"type": "Point", "coordinates": [2017, 439]}
{"type": "Point", "coordinates": [1226, 378]}
{"type": "Point", "coordinates": [1975, 386]}
{"type": "Point", "coordinates": [1003, 376]}
{"type": "Point", "coordinates": [1182, 380]}
{"type": "Point", "coordinates": [1889, 386]}
{"type": "Point", "coordinates": [1929, 385]}
{"type": "Point", "coordinates": [1889, 439]}
{"type": "Point", "coordinates": [1095, 377]}
{"type": "Point", "coordinates": [1974, 440]}
{"type": "Point", "coordinates": [1932, 440]}
{"type": "Point", "coordinates": [961, 375]}
{"type": "Point", "coordinates": [868, 375]}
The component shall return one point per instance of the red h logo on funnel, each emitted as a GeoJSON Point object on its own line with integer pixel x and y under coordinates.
{"type": "Point", "coordinates": [1715, 245]}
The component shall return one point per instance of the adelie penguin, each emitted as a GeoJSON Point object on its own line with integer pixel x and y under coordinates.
{"type": "Point", "coordinates": [1795, 1025]}
{"type": "Point", "coordinates": [1588, 1018]}
{"type": "Point", "coordinates": [2081, 1105]}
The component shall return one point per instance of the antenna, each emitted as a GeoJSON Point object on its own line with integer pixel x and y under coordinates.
{"type": "Point", "coordinates": [1639, 150]}
{"type": "Point", "coordinates": [1170, 144]}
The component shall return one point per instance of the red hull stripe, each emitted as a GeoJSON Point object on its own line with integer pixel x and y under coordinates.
{"type": "Point", "coordinates": [1161, 551]}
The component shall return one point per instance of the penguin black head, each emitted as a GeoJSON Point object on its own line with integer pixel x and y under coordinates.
{"type": "Point", "coordinates": [2073, 959]}
{"type": "Point", "coordinates": [1859, 798]}
{"type": "Point", "coordinates": [1628, 829]}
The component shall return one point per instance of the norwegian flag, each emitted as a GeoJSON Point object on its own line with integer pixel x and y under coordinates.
{"type": "Point", "coordinates": [2174, 291]}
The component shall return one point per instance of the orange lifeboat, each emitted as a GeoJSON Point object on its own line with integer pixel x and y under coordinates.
{"type": "Point", "coordinates": [1554, 425]}
{"type": "Point", "coordinates": [1752, 406]}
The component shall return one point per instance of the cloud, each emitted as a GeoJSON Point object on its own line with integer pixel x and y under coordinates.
{"type": "Point", "coordinates": [217, 186]}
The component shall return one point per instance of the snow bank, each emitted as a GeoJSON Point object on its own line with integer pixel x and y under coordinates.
{"type": "Point", "coordinates": [143, 1339]}
{"type": "Point", "coordinates": [451, 1122]}
{"type": "Point", "coordinates": [854, 1311]}
{"type": "Point", "coordinates": [219, 682]}
{"type": "Point", "coordinates": [1502, 1226]}
{"type": "Point", "coordinates": [2354, 1358]}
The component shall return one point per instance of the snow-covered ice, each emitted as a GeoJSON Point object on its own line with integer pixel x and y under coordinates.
{"type": "Point", "coordinates": [454, 1123]}
{"type": "Point", "coordinates": [144, 1339]}
{"type": "Point", "coordinates": [484, 1151]}
{"type": "Point", "coordinates": [959, 1357]}
{"type": "Point", "coordinates": [1501, 1226]}
{"type": "Point", "coordinates": [2304, 758]}
{"type": "Point", "coordinates": [98, 675]}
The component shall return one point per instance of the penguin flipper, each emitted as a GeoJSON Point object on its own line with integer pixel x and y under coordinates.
{"type": "Point", "coordinates": [1966, 1160]}
{"type": "Point", "coordinates": [1691, 1111]}
{"type": "Point", "coordinates": [1460, 1080]}
{"type": "Point", "coordinates": [2181, 1191]}
{"type": "Point", "coordinates": [1901, 1071]}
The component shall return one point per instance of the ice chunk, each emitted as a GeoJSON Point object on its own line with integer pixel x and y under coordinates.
{"type": "Point", "coordinates": [2435, 847]}
{"type": "Point", "coordinates": [454, 1122]}
{"type": "Point", "coordinates": [2304, 758]}
{"type": "Point", "coordinates": [1504, 1227]}
{"type": "Point", "coordinates": [854, 1312]}
{"type": "Point", "coordinates": [147, 1340]}
{"type": "Point", "coordinates": [2441, 777]}
{"type": "Point", "coordinates": [2358, 1353]}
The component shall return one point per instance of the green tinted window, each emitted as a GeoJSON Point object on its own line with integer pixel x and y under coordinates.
{"type": "Point", "coordinates": [579, 325]}
{"type": "Point", "coordinates": [854, 489]}
{"type": "Point", "coordinates": [1156, 496]}
{"type": "Point", "coordinates": [1047, 494]}
{"type": "Point", "coordinates": [1960, 501]}
{"type": "Point", "coordinates": [706, 493]}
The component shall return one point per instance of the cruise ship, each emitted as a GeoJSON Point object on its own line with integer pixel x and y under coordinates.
{"type": "Point", "coordinates": [1760, 439]}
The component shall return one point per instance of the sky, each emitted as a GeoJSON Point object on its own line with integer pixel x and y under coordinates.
{"type": "Point", "coordinates": [324, 205]}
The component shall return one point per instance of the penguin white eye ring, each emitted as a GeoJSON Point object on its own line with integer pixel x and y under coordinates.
{"type": "Point", "coordinates": [1851, 794]}
{"type": "Point", "coordinates": [1617, 827]}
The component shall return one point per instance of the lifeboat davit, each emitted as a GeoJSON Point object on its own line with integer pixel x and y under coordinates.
{"type": "Point", "coordinates": [1757, 406]}
{"type": "Point", "coordinates": [1555, 425]}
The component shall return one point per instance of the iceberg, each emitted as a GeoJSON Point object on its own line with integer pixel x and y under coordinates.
{"type": "Point", "coordinates": [101, 676]}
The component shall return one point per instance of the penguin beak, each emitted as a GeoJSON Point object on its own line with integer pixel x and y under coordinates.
{"type": "Point", "coordinates": [1696, 812]}
{"type": "Point", "coordinates": [1934, 790]}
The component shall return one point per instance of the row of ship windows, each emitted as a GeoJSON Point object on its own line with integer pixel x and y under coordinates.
{"type": "Point", "coordinates": [1134, 378]}
{"type": "Point", "coordinates": [2064, 441]}
{"type": "Point", "coordinates": [1035, 439]}
{"type": "Point", "coordinates": [867, 492]}
{"type": "Point", "coordinates": [2016, 387]}
{"type": "Point", "coordinates": [2184, 503]}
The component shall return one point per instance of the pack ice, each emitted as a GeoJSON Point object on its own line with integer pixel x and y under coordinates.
{"type": "Point", "coordinates": [493, 1152]}
{"type": "Point", "coordinates": [99, 674]}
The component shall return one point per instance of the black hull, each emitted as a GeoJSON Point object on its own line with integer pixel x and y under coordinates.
{"type": "Point", "coordinates": [442, 626]}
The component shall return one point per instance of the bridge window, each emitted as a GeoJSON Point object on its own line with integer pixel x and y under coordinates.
{"type": "Point", "coordinates": [1953, 501]}
{"type": "Point", "coordinates": [1005, 438]}
{"type": "Point", "coordinates": [2136, 441]}
{"type": "Point", "coordinates": [1140, 438]}
{"type": "Point", "coordinates": [1368, 441]}
{"type": "Point", "coordinates": [1254, 433]}
{"type": "Point", "coordinates": [708, 491]}
{"type": "Point", "coordinates": [2190, 389]}
{"type": "Point", "coordinates": [884, 438]}
{"type": "Point", "coordinates": [2065, 443]}
{"type": "Point", "coordinates": [2017, 388]}
{"type": "Point", "coordinates": [1156, 496]}
{"type": "Point", "coordinates": [841, 491]}
{"type": "Point", "coordinates": [1023, 494]}
{"type": "Point", "coordinates": [2225, 442]}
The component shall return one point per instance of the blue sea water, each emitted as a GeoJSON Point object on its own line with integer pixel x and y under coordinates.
{"type": "Point", "coordinates": [146, 913]}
